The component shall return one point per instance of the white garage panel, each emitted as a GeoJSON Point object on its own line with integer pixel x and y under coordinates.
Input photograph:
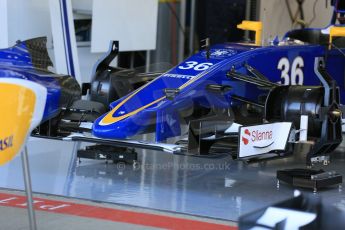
{"type": "Point", "coordinates": [132, 22]}
{"type": "Point", "coordinates": [3, 24]}
{"type": "Point", "coordinates": [23, 19]}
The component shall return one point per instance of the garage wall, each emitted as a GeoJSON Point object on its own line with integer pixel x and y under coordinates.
{"type": "Point", "coordinates": [276, 21]}
{"type": "Point", "coordinates": [3, 24]}
{"type": "Point", "coordinates": [133, 23]}
{"type": "Point", "coordinates": [27, 19]}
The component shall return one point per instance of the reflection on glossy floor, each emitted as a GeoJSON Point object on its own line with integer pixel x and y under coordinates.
{"type": "Point", "coordinates": [217, 188]}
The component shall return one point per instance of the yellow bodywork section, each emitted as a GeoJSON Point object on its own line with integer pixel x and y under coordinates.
{"type": "Point", "coordinates": [252, 26]}
{"type": "Point", "coordinates": [335, 31]}
{"type": "Point", "coordinates": [109, 119]}
{"type": "Point", "coordinates": [17, 105]}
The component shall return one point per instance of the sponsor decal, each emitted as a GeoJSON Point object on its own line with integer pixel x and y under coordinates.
{"type": "Point", "coordinates": [6, 142]}
{"type": "Point", "coordinates": [261, 135]}
{"type": "Point", "coordinates": [261, 139]}
{"type": "Point", "coordinates": [256, 136]}
{"type": "Point", "coordinates": [220, 53]}
{"type": "Point", "coordinates": [188, 77]}
{"type": "Point", "coordinates": [246, 137]}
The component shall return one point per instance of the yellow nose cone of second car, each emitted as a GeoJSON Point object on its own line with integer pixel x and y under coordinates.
{"type": "Point", "coordinates": [17, 107]}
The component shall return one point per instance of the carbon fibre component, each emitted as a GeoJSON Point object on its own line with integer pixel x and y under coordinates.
{"type": "Point", "coordinates": [327, 216]}
{"type": "Point", "coordinates": [70, 90]}
{"type": "Point", "coordinates": [287, 103]}
{"type": "Point", "coordinates": [111, 83]}
{"type": "Point", "coordinates": [37, 48]}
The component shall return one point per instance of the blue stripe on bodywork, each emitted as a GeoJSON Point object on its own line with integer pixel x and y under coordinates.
{"type": "Point", "coordinates": [67, 38]}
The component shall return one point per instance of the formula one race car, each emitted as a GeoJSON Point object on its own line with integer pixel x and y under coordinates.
{"type": "Point", "coordinates": [244, 99]}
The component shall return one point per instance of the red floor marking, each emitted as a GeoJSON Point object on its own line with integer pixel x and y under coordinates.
{"type": "Point", "coordinates": [117, 215]}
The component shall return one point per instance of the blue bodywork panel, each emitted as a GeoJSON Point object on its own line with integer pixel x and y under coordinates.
{"type": "Point", "coordinates": [150, 106]}
{"type": "Point", "coordinates": [18, 62]}
{"type": "Point", "coordinates": [285, 64]}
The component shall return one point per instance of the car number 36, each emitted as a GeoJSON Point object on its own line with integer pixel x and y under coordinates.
{"type": "Point", "coordinates": [296, 73]}
{"type": "Point", "coordinates": [195, 65]}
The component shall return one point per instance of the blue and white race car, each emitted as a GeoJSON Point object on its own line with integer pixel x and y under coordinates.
{"type": "Point", "coordinates": [238, 93]}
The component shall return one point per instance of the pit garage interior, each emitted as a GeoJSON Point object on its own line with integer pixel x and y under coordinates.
{"type": "Point", "coordinates": [141, 184]}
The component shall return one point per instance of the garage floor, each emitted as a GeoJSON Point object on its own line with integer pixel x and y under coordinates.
{"type": "Point", "coordinates": [60, 213]}
{"type": "Point", "coordinates": [213, 188]}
